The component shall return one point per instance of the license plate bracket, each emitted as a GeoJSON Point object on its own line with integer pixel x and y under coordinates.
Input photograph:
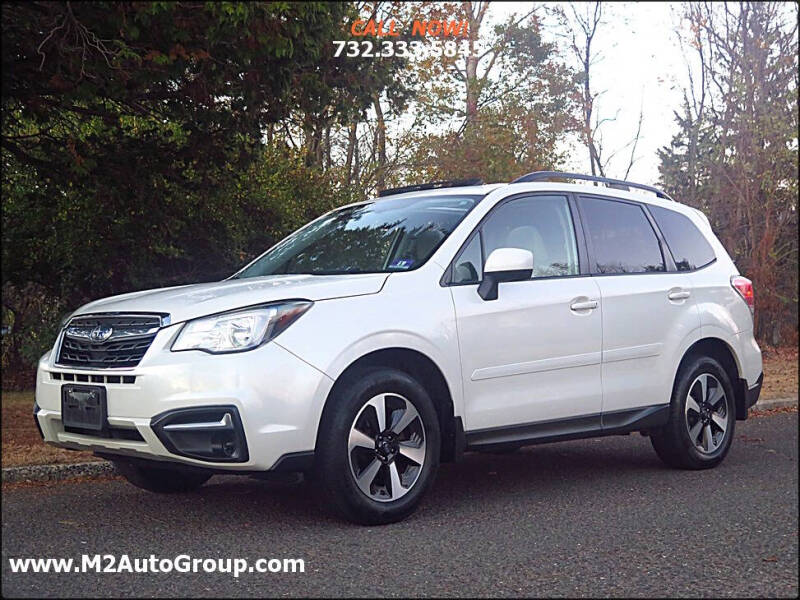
{"type": "Point", "coordinates": [84, 407]}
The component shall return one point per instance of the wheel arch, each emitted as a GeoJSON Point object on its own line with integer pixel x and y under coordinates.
{"type": "Point", "coordinates": [723, 353]}
{"type": "Point", "coordinates": [422, 368]}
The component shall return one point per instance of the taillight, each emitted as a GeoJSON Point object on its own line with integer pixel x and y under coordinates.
{"type": "Point", "coordinates": [745, 288]}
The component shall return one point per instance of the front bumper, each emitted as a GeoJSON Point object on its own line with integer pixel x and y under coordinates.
{"type": "Point", "coordinates": [278, 397]}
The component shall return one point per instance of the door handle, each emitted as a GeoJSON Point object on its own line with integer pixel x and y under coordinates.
{"type": "Point", "coordinates": [588, 305]}
{"type": "Point", "coordinates": [681, 295]}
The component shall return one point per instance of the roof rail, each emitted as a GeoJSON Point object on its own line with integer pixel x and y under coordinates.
{"type": "Point", "coordinates": [613, 183]}
{"type": "Point", "coordinates": [434, 185]}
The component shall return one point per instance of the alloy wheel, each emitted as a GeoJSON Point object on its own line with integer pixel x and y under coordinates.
{"type": "Point", "coordinates": [386, 447]}
{"type": "Point", "coordinates": [707, 414]}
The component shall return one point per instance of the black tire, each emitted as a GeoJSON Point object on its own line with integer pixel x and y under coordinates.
{"type": "Point", "coordinates": [333, 472]}
{"type": "Point", "coordinates": [159, 479]}
{"type": "Point", "coordinates": [672, 442]}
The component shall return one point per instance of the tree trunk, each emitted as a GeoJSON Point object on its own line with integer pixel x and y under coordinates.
{"type": "Point", "coordinates": [380, 144]}
{"type": "Point", "coordinates": [352, 140]}
{"type": "Point", "coordinates": [471, 69]}
{"type": "Point", "coordinates": [587, 110]}
{"type": "Point", "coordinates": [328, 147]}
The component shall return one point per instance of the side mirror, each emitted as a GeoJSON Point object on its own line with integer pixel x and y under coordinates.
{"type": "Point", "coordinates": [505, 264]}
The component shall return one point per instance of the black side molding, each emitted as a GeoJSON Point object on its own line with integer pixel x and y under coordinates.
{"type": "Point", "coordinates": [625, 421]}
{"type": "Point", "coordinates": [572, 428]}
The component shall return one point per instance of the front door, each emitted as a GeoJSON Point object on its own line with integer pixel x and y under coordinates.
{"type": "Point", "coordinates": [533, 355]}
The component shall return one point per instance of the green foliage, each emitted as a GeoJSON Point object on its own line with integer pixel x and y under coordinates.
{"type": "Point", "coordinates": [132, 147]}
{"type": "Point", "coordinates": [275, 196]}
{"type": "Point", "coordinates": [61, 250]}
{"type": "Point", "coordinates": [735, 155]}
{"type": "Point", "coordinates": [30, 320]}
{"type": "Point", "coordinates": [516, 99]}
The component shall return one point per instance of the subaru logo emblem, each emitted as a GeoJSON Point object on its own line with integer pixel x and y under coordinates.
{"type": "Point", "coordinates": [101, 333]}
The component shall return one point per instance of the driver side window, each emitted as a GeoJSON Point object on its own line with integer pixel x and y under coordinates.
{"type": "Point", "coordinates": [540, 224]}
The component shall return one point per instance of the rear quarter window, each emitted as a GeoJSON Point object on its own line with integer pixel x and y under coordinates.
{"type": "Point", "coordinates": [689, 247]}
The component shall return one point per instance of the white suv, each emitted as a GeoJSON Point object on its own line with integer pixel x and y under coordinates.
{"type": "Point", "coordinates": [388, 336]}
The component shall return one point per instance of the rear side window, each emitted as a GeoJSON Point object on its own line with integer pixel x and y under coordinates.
{"type": "Point", "coordinates": [621, 237]}
{"type": "Point", "coordinates": [689, 247]}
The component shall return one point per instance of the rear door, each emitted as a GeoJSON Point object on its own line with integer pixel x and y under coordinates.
{"type": "Point", "coordinates": [647, 307]}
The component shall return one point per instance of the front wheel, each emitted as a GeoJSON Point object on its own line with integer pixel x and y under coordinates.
{"type": "Point", "coordinates": [699, 432]}
{"type": "Point", "coordinates": [378, 446]}
{"type": "Point", "coordinates": [160, 479]}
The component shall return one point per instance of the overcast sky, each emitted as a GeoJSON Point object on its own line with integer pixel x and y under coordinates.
{"type": "Point", "coordinates": [642, 66]}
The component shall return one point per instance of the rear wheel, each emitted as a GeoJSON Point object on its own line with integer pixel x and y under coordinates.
{"type": "Point", "coordinates": [378, 447]}
{"type": "Point", "coordinates": [699, 432]}
{"type": "Point", "coordinates": [159, 479]}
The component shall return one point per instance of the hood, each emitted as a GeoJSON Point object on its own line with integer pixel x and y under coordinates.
{"type": "Point", "coordinates": [198, 300]}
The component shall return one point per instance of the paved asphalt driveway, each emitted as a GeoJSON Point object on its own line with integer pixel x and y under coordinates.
{"type": "Point", "coordinates": [597, 517]}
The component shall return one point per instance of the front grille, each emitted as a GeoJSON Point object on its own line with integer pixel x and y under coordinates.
{"type": "Point", "coordinates": [111, 341]}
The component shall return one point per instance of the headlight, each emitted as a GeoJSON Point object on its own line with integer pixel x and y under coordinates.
{"type": "Point", "coordinates": [239, 330]}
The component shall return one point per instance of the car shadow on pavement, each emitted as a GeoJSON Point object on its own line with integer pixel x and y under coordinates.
{"type": "Point", "coordinates": [553, 471]}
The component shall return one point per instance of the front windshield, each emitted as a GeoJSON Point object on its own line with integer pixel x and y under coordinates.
{"type": "Point", "coordinates": [378, 237]}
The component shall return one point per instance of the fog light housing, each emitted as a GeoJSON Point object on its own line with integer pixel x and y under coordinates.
{"type": "Point", "coordinates": [208, 433]}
